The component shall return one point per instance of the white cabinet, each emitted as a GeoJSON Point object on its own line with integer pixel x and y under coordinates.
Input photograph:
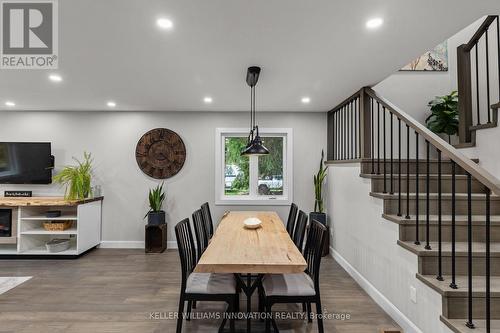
{"type": "Point", "coordinates": [84, 234]}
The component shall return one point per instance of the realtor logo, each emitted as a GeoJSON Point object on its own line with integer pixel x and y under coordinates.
{"type": "Point", "coordinates": [29, 34]}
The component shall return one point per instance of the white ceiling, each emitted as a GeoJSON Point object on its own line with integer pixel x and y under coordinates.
{"type": "Point", "coordinates": [113, 50]}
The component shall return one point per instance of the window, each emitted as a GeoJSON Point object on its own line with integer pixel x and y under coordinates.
{"type": "Point", "coordinates": [254, 180]}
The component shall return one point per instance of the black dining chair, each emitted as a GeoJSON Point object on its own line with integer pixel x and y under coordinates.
{"type": "Point", "coordinates": [292, 216]}
{"type": "Point", "coordinates": [300, 230]}
{"type": "Point", "coordinates": [301, 287]}
{"type": "Point", "coordinates": [200, 232]}
{"type": "Point", "coordinates": [201, 286]}
{"type": "Point", "coordinates": [207, 218]}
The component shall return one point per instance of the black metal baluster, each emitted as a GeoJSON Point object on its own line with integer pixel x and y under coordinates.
{"type": "Point", "coordinates": [488, 77]}
{"type": "Point", "coordinates": [335, 135]}
{"type": "Point", "coordinates": [440, 245]}
{"type": "Point", "coordinates": [378, 138]}
{"type": "Point", "coordinates": [343, 133]}
{"type": "Point", "coordinates": [453, 284]}
{"type": "Point", "coordinates": [488, 273]}
{"type": "Point", "coordinates": [392, 156]}
{"type": "Point", "coordinates": [399, 167]}
{"type": "Point", "coordinates": [477, 85]}
{"type": "Point", "coordinates": [355, 129]}
{"type": "Point", "coordinates": [417, 239]}
{"type": "Point", "coordinates": [407, 172]}
{"type": "Point", "coordinates": [372, 135]}
{"type": "Point", "coordinates": [385, 159]}
{"type": "Point", "coordinates": [427, 199]}
{"type": "Point", "coordinates": [469, 322]}
{"type": "Point", "coordinates": [359, 127]}
{"type": "Point", "coordinates": [351, 130]}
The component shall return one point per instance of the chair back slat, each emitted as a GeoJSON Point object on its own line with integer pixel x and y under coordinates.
{"type": "Point", "coordinates": [187, 251]}
{"type": "Point", "coordinates": [316, 239]}
{"type": "Point", "coordinates": [207, 218]}
{"type": "Point", "coordinates": [292, 216]}
{"type": "Point", "coordinates": [300, 230]}
{"type": "Point", "coordinates": [200, 232]}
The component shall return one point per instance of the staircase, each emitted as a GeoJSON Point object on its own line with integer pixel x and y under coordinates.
{"type": "Point", "coordinates": [455, 301]}
{"type": "Point", "coordinates": [446, 206]}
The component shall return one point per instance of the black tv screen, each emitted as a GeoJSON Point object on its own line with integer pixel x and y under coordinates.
{"type": "Point", "coordinates": [25, 163]}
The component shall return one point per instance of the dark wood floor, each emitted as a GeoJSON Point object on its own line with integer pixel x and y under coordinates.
{"type": "Point", "coordinates": [111, 290]}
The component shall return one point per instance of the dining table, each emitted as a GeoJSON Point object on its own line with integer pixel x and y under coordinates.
{"type": "Point", "coordinates": [249, 254]}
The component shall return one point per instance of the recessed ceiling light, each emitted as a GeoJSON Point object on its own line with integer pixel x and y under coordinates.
{"type": "Point", "coordinates": [55, 78]}
{"type": "Point", "coordinates": [9, 103]}
{"type": "Point", "coordinates": [305, 100]}
{"type": "Point", "coordinates": [165, 23]}
{"type": "Point", "coordinates": [111, 104]}
{"type": "Point", "coordinates": [374, 23]}
{"type": "Point", "coordinates": [207, 100]}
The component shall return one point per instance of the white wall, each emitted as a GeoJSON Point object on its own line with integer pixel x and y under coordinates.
{"type": "Point", "coordinates": [112, 137]}
{"type": "Point", "coordinates": [365, 245]}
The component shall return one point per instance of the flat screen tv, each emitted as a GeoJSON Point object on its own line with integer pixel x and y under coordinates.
{"type": "Point", "coordinates": [25, 163]}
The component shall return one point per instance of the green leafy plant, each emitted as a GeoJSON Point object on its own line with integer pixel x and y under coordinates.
{"type": "Point", "coordinates": [77, 178]}
{"type": "Point", "coordinates": [318, 186]}
{"type": "Point", "coordinates": [444, 115]}
{"type": "Point", "coordinates": [156, 198]}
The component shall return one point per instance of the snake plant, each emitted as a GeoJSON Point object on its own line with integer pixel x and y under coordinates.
{"type": "Point", "coordinates": [318, 186]}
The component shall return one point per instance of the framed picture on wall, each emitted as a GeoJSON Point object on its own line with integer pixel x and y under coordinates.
{"type": "Point", "coordinates": [431, 61]}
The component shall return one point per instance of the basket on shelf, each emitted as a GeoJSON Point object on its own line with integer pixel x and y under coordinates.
{"type": "Point", "coordinates": [57, 225]}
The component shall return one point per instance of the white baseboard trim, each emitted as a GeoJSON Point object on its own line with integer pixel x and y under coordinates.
{"type": "Point", "coordinates": [406, 324]}
{"type": "Point", "coordinates": [121, 245]}
{"type": "Point", "coordinates": [131, 245]}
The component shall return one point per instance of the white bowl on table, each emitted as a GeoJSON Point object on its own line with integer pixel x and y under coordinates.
{"type": "Point", "coordinates": [252, 223]}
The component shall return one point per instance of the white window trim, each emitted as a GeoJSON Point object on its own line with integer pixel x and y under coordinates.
{"type": "Point", "coordinates": [253, 199]}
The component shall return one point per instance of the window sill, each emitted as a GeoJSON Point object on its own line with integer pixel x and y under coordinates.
{"type": "Point", "coordinates": [253, 202]}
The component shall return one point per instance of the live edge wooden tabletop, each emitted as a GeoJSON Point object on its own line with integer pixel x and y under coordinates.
{"type": "Point", "coordinates": [235, 249]}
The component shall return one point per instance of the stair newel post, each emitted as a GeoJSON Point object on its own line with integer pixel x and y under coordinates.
{"type": "Point", "coordinates": [440, 245]}
{"type": "Point", "coordinates": [488, 273]}
{"type": "Point", "coordinates": [465, 93]}
{"type": "Point", "coordinates": [469, 322]}
{"type": "Point", "coordinates": [417, 226]}
{"type": "Point", "coordinates": [366, 126]}
{"type": "Point", "coordinates": [453, 284]}
{"type": "Point", "coordinates": [427, 201]}
{"type": "Point", "coordinates": [391, 191]}
{"type": "Point", "coordinates": [399, 167]}
{"type": "Point", "coordinates": [407, 172]}
{"type": "Point", "coordinates": [385, 149]}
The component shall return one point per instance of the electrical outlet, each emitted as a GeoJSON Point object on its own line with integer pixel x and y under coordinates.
{"type": "Point", "coordinates": [413, 294]}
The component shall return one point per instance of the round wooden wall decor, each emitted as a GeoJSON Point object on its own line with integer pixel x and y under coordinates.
{"type": "Point", "coordinates": [160, 153]}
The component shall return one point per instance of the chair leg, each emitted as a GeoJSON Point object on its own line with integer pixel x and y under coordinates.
{"type": "Point", "coordinates": [179, 315]}
{"type": "Point", "coordinates": [190, 304]}
{"type": "Point", "coordinates": [319, 315]}
{"type": "Point", "coordinates": [304, 307]}
{"type": "Point", "coordinates": [194, 304]}
{"type": "Point", "coordinates": [309, 319]}
{"type": "Point", "coordinates": [237, 303]}
{"type": "Point", "coordinates": [231, 311]}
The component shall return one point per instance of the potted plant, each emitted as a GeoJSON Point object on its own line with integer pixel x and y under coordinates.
{"type": "Point", "coordinates": [444, 115]}
{"type": "Point", "coordinates": [318, 213]}
{"type": "Point", "coordinates": [156, 215]}
{"type": "Point", "coordinates": [77, 178]}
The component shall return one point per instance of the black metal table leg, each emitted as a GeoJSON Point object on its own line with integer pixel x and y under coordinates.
{"type": "Point", "coordinates": [248, 289]}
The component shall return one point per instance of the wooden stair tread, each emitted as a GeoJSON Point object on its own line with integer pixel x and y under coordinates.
{"type": "Point", "coordinates": [478, 249]}
{"type": "Point", "coordinates": [458, 325]}
{"type": "Point", "coordinates": [445, 219]}
{"type": "Point", "coordinates": [445, 196]}
{"type": "Point", "coordinates": [478, 285]}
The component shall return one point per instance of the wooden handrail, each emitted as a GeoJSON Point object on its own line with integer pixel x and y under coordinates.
{"type": "Point", "coordinates": [467, 164]}
{"type": "Point", "coordinates": [480, 32]}
{"type": "Point", "coordinates": [347, 100]}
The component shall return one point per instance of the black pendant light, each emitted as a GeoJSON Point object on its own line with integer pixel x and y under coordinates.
{"type": "Point", "coordinates": [254, 143]}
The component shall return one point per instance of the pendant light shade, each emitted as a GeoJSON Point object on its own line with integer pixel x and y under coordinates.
{"type": "Point", "coordinates": [254, 144]}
